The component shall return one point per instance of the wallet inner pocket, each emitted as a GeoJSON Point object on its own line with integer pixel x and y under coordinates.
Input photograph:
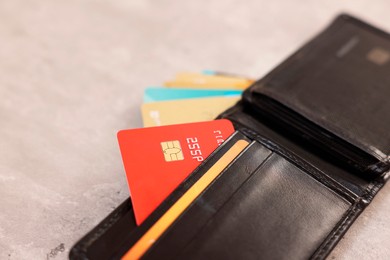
{"type": "Point", "coordinates": [280, 212]}
{"type": "Point", "coordinates": [261, 203]}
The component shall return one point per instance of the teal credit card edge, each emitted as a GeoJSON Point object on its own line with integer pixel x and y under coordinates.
{"type": "Point", "coordinates": [153, 94]}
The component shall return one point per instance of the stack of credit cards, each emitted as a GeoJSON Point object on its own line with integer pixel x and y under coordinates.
{"type": "Point", "coordinates": [178, 136]}
{"type": "Point", "coordinates": [192, 97]}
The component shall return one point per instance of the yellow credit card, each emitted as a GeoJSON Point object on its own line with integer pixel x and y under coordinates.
{"type": "Point", "coordinates": [185, 111]}
{"type": "Point", "coordinates": [166, 220]}
{"type": "Point", "coordinates": [197, 80]}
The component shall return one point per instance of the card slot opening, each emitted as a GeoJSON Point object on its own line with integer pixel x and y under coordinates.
{"type": "Point", "coordinates": [130, 239]}
{"type": "Point", "coordinates": [183, 202]}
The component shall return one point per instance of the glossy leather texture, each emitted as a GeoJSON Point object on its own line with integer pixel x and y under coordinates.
{"type": "Point", "coordinates": [251, 225]}
{"type": "Point", "coordinates": [334, 92]}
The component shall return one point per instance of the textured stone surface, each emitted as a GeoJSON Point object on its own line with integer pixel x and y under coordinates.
{"type": "Point", "coordinates": [72, 73]}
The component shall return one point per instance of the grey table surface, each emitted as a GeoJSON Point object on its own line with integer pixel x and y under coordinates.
{"type": "Point", "coordinates": [72, 73]}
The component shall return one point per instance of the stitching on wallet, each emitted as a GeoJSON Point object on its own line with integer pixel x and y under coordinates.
{"type": "Point", "coordinates": [307, 167]}
{"type": "Point", "coordinates": [355, 210]}
{"type": "Point", "coordinates": [372, 190]}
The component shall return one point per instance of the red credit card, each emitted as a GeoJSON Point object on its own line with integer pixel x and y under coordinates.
{"type": "Point", "coordinates": [158, 159]}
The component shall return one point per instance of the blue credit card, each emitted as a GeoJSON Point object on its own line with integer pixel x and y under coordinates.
{"type": "Point", "coordinates": [153, 94]}
{"type": "Point", "coordinates": [210, 72]}
{"type": "Point", "coordinates": [219, 73]}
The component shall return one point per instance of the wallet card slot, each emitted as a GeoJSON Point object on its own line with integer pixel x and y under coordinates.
{"type": "Point", "coordinates": [137, 241]}
{"type": "Point", "coordinates": [192, 220]}
{"type": "Point", "coordinates": [280, 212]}
{"type": "Point", "coordinates": [118, 231]}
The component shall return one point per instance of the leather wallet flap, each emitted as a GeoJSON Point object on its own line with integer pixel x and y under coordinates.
{"type": "Point", "coordinates": [335, 92]}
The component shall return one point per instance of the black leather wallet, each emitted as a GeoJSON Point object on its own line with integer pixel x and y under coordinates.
{"type": "Point", "coordinates": [318, 152]}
